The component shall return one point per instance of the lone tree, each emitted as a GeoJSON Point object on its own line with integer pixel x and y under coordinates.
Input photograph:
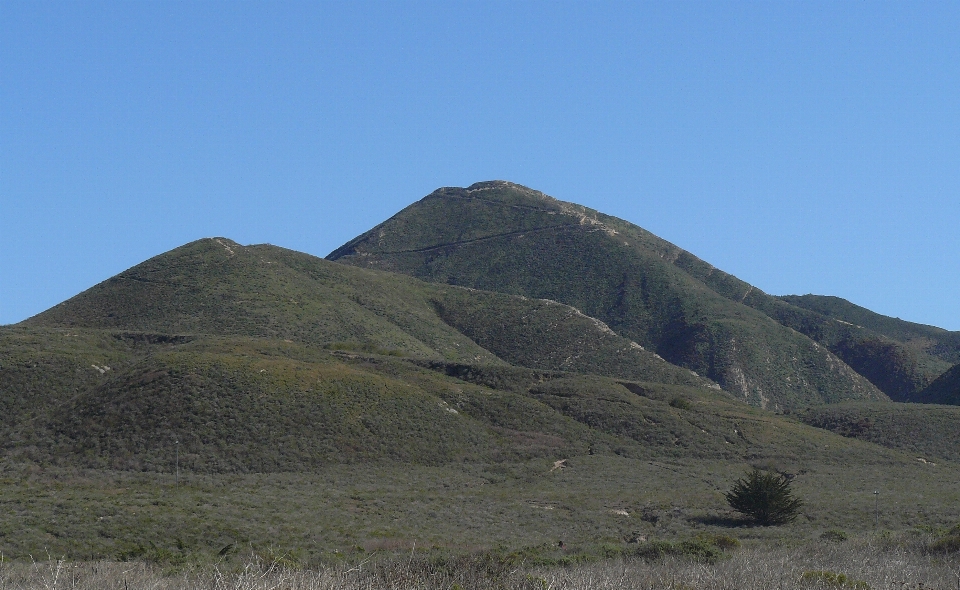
{"type": "Point", "coordinates": [764, 497]}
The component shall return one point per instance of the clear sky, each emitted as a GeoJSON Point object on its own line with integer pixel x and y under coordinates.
{"type": "Point", "coordinates": [806, 147]}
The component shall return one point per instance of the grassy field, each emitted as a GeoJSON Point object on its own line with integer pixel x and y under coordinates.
{"type": "Point", "coordinates": [592, 504]}
{"type": "Point", "coordinates": [870, 563]}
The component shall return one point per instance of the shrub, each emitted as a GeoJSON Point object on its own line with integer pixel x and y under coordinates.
{"type": "Point", "coordinates": [724, 542]}
{"type": "Point", "coordinates": [835, 535]}
{"type": "Point", "coordinates": [948, 543]}
{"type": "Point", "coordinates": [764, 497]}
{"type": "Point", "coordinates": [827, 579]}
{"type": "Point", "coordinates": [699, 549]}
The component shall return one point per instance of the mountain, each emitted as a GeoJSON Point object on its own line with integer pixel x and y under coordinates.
{"type": "Point", "coordinates": [503, 237]}
{"type": "Point", "coordinates": [258, 358]}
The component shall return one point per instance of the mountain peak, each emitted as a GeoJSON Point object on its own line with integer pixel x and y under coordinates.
{"type": "Point", "coordinates": [502, 191]}
{"type": "Point", "coordinates": [501, 236]}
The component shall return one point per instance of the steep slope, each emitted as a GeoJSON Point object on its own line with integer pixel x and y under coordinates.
{"type": "Point", "coordinates": [937, 342]}
{"type": "Point", "coordinates": [499, 236]}
{"type": "Point", "coordinates": [945, 390]}
{"type": "Point", "coordinates": [897, 368]}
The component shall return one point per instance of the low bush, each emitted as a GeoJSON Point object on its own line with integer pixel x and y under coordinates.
{"type": "Point", "coordinates": [828, 579]}
{"type": "Point", "coordinates": [698, 549]}
{"type": "Point", "coordinates": [834, 535]}
{"type": "Point", "coordinates": [947, 543]}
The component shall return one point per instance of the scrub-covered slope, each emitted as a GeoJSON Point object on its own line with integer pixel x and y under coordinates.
{"type": "Point", "coordinates": [242, 404]}
{"type": "Point", "coordinates": [262, 359]}
{"type": "Point", "coordinates": [217, 287]}
{"type": "Point", "coordinates": [499, 236]}
{"type": "Point", "coordinates": [940, 343]}
{"type": "Point", "coordinates": [945, 390]}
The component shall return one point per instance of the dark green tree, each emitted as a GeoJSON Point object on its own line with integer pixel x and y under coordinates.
{"type": "Point", "coordinates": [764, 497]}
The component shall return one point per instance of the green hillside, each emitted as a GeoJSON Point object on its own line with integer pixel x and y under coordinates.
{"type": "Point", "coordinates": [217, 287]}
{"type": "Point", "coordinates": [248, 357]}
{"type": "Point", "coordinates": [502, 237]}
{"type": "Point", "coordinates": [254, 405]}
{"type": "Point", "coordinates": [245, 404]}
{"type": "Point", "coordinates": [263, 359]}
{"type": "Point", "coordinates": [945, 390]}
{"type": "Point", "coordinates": [929, 432]}
{"type": "Point", "coordinates": [940, 343]}
{"type": "Point", "coordinates": [897, 368]}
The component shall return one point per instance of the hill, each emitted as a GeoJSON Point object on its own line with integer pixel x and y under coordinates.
{"type": "Point", "coordinates": [945, 390]}
{"type": "Point", "coordinates": [940, 343]}
{"type": "Point", "coordinates": [248, 356]}
{"type": "Point", "coordinates": [262, 359]}
{"type": "Point", "coordinates": [929, 432]}
{"type": "Point", "coordinates": [217, 287]}
{"type": "Point", "coordinates": [502, 237]}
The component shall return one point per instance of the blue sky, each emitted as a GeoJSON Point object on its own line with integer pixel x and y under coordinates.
{"type": "Point", "coordinates": [805, 147]}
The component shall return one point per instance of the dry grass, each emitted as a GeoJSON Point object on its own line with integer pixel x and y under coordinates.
{"type": "Point", "coordinates": [808, 568]}
{"type": "Point", "coordinates": [835, 566]}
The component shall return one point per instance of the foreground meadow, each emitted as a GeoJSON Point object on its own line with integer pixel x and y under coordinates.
{"type": "Point", "coordinates": [869, 563]}
{"type": "Point", "coordinates": [353, 510]}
